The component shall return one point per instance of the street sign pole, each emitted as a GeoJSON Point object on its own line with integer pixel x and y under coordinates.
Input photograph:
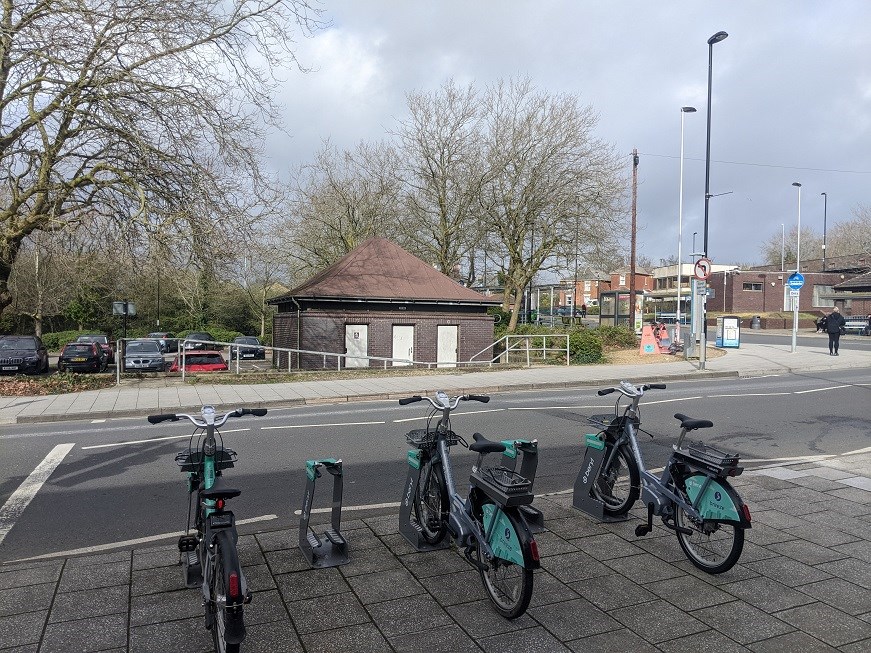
{"type": "Point", "coordinates": [795, 282]}
{"type": "Point", "coordinates": [701, 271]}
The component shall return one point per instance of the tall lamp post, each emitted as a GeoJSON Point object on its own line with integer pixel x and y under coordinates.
{"type": "Point", "coordinates": [683, 112]}
{"type": "Point", "coordinates": [795, 301]}
{"type": "Point", "coordinates": [825, 202]}
{"type": "Point", "coordinates": [716, 38]}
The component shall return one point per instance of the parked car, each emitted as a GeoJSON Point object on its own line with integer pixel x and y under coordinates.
{"type": "Point", "coordinates": [101, 340]}
{"type": "Point", "coordinates": [167, 340]}
{"type": "Point", "coordinates": [82, 357]}
{"type": "Point", "coordinates": [143, 356]}
{"type": "Point", "coordinates": [200, 361]}
{"type": "Point", "coordinates": [22, 355]}
{"type": "Point", "coordinates": [247, 347]}
{"type": "Point", "coordinates": [206, 341]}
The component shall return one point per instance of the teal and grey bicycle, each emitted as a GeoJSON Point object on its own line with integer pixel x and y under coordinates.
{"type": "Point", "coordinates": [488, 524]}
{"type": "Point", "coordinates": [209, 554]}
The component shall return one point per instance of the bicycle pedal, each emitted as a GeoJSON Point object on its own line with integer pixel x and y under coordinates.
{"type": "Point", "coordinates": [642, 530]}
{"type": "Point", "coordinates": [248, 598]}
{"type": "Point", "coordinates": [187, 543]}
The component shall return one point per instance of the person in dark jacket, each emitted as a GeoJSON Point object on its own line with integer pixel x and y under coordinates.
{"type": "Point", "coordinates": [834, 323]}
{"type": "Point", "coordinates": [821, 324]}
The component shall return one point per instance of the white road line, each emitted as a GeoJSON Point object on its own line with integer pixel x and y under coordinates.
{"type": "Point", "coordinates": [671, 401]}
{"type": "Point", "coordinates": [371, 506]}
{"type": "Point", "coordinates": [791, 460]}
{"type": "Point", "coordinates": [410, 419]}
{"type": "Point", "coordinates": [834, 387]}
{"type": "Point", "coordinates": [311, 426]}
{"type": "Point", "coordinates": [753, 394]}
{"type": "Point", "coordinates": [857, 451]}
{"type": "Point", "coordinates": [168, 437]}
{"type": "Point", "coordinates": [97, 421]}
{"type": "Point", "coordinates": [118, 545]}
{"type": "Point", "coordinates": [19, 499]}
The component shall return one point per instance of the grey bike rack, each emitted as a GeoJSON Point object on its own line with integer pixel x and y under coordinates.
{"type": "Point", "coordinates": [583, 498]}
{"type": "Point", "coordinates": [330, 549]}
{"type": "Point", "coordinates": [408, 524]}
{"type": "Point", "coordinates": [528, 466]}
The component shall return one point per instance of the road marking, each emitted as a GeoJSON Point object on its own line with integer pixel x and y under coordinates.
{"type": "Point", "coordinates": [791, 460]}
{"type": "Point", "coordinates": [168, 437]}
{"type": "Point", "coordinates": [19, 499]}
{"type": "Point", "coordinates": [97, 421]}
{"type": "Point", "coordinates": [671, 401]}
{"type": "Point", "coordinates": [371, 506]}
{"type": "Point", "coordinates": [116, 545]}
{"type": "Point", "coordinates": [311, 426]}
{"type": "Point", "coordinates": [410, 419]}
{"type": "Point", "coordinates": [834, 387]}
{"type": "Point", "coordinates": [857, 451]}
{"type": "Point", "coordinates": [754, 394]}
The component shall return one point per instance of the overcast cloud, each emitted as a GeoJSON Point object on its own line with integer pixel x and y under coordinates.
{"type": "Point", "coordinates": [791, 96]}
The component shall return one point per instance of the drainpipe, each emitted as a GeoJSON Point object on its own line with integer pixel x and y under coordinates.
{"type": "Point", "coordinates": [298, 332]}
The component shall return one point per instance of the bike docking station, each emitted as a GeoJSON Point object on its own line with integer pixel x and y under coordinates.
{"type": "Point", "coordinates": [330, 549]}
{"type": "Point", "coordinates": [528, 466]}
{"type": "Point", "coordinates": [408, 524]}
{"type": "Point", "coordinates": [594, 455]}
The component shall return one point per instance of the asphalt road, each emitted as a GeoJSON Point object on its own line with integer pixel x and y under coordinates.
{"type": "Point", "coordinates": [119, 482]}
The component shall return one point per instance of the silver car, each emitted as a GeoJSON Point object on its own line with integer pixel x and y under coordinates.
{"type": "Point", "coordinates": [143, 356]}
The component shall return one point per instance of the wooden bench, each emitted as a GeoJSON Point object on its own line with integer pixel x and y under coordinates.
{"type": "Point", "coordinates": [857, 324]}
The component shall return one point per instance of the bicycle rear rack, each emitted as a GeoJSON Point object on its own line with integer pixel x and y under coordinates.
{"type": "Point", "coordinates": [408, 524]}
{"type": "Point", "coordinates": [528, 466]}
{"type": "Point", "coordinates": [330, 549]}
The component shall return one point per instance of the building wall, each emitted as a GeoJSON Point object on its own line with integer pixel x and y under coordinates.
{"type": "Point", "coordinates": [324, 330]}
{"type": "Point", "coordinates": [734, 298]}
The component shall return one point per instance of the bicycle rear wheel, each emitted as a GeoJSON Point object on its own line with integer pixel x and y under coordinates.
{"type": "Point", "coordinates": [713, 547]}
{"type": "Point", "coordinates": [218, 586]}
{"type": "Point", "coordinates": [508, 584]}
{"type": "Point", "coordinates": [431, 503]}
{"type": "Point", "coordinates": [618, 483]}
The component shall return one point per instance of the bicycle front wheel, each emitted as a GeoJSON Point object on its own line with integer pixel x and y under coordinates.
{"type": "Point", "coordinates": [618, 483]}
{"type": "Point", "coordinates": [508, 584]}
{"type": "Point", "coordinates": [713, 547]}
{"type": "Point", "coordinates": [218, 607]}
{"type": "Point", "coordinates": [431, 503]}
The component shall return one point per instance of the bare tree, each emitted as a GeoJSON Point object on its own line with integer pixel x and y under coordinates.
{"type": "Point", "coordinates": [785, 245]}
{"type": "Point", "coordinates": [552, 185]}
{"type": "Point", "coordinates": [339, 201]}
{"type": "Point", "coordinates": [442, 170]}
{"type": "Point", "coordinates": [135, 112]}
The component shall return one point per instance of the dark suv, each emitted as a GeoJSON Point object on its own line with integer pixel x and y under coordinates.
{"type": "Point", "coordinates": [206, 341]}
{"type": "Point", "coordinates": [22, 355]}
{"type": "Point", "coordinates": [101, 340]}
{"type": "Point", "coordinates": [247, 347]}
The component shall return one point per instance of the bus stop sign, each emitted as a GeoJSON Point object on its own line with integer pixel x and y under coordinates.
{"type": "Point", "coordinates": [795, 281]}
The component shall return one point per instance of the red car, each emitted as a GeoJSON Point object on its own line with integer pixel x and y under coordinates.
{"type": "Point", "coordinates": [200, 361]}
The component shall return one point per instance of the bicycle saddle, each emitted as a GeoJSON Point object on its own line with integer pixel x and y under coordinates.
{"type": "Point", "coordinates": [220, 490]}
{"type": "Point", "coordinates": [483, 445]}
{"type": "Point", "coordinates": [689, 423]}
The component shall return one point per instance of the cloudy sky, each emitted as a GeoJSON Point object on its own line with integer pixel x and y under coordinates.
{"type": "Point", "coordinates": [791, 96]}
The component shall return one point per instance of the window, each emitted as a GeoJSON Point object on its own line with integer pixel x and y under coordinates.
{"type": "Point", "coordinates": [822, 290]}
{"type": "Point", "coordinates": [587, 285]}
{"type": "Point", "coordinates": [751, 287]}
{"type": "Point", "coordinates": [622, 281]}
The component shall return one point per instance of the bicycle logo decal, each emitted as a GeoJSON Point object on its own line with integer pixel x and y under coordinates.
{"type": "Point", "coordinates": [718, 496]}
{"type": "Point", "coordinates": [507, 533]}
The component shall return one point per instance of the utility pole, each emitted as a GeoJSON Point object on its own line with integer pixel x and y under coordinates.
{"type": "Point", "coordinates": [632, 248]}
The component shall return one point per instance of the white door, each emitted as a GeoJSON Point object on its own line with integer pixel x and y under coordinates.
{"type": "Point", "coordinates": [403, 344]}
{"type": "Point", "coordinates": [447, 353]}
{"type": "Point", "coordinates": [357, 344]}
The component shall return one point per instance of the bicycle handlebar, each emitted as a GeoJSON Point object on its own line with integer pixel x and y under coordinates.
{"type": "Point", "coordinates": [207, 416]}
{"type": "Point", "coordinates": [453, 402]}
{"type": "Point", "coordinates": [625, 386]}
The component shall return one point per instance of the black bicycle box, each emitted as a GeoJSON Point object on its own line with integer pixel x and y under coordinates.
{"type": "Point", "coordinates": [192, 461]}
{"type": "Point", "coordinates": [709, 459]}
{"type": "Point", "coordinates": [505, 487]}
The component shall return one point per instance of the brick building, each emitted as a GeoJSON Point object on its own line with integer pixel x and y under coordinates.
{"type": "Point", "coordinates": [381, 301]}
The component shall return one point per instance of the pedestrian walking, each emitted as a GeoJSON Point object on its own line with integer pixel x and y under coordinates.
{"type": "Point", "coordinates": [835, 327]}
{"type": "Point", "coordinates": [583, 310]}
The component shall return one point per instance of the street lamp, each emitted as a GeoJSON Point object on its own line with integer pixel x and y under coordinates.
{"type": "Point", "coordinates": [795, 300]}
{"type": "Point", "coordinates": [825, 202]}
{"type": "Point", "coordinates": [716, 38]}
{"type": "Point", "coordinates": [683, 112]}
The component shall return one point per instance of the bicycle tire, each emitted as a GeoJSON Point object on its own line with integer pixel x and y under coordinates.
{"type": "Point", "coordinates": [619, 486]}
{"type": "Point", "coordinates": [508, 584]}
{"type": "Point", "coordinates": [713, 546]}
{"type": "Point", "coordinates": [218, 589]}
{"type": "Point", "coordinates": [431, 503]}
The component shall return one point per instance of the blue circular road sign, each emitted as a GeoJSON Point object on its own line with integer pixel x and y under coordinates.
{"type": "Point", "coordinates": [795, 280]}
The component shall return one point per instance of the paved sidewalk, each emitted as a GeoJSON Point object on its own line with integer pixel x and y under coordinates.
{"type": "Point", "coordinates": [800, 585]}
{"type": "Point", "coordinates": [133, 400]}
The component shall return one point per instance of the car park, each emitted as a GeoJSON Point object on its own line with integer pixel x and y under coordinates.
{"type": "Point", "coordinates": [165, 339]}
{"type": "Point", "coordinates": [204, 340]}
{"type": "Point", "coordinates": [247, 347]}
{"type": "Point", "coordinates": [143, 356]}
{"type": "Point", "coordinates": [22, 355]}
{"type": "Point", "coordinates": [101, 340]}
{"type": "Point", "coordinates": [82, 357]}
{"type": "Point", "coordinates": [200, 361]}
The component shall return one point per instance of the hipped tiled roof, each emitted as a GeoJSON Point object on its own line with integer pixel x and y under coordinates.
{"type": "Point", "coordinates": [860, 282]}
{"type": "Point", "coordinates": [380, 269]}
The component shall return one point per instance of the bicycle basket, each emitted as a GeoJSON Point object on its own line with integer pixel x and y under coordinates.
{"type": "Point", "coordinates": [424, 439]}
{"type": "Point", "coordinates": [192, 461]}
{"type": "Point", "coordinates": [505, 487]}
{"type": "Point", "coordinates": [708, 456]}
